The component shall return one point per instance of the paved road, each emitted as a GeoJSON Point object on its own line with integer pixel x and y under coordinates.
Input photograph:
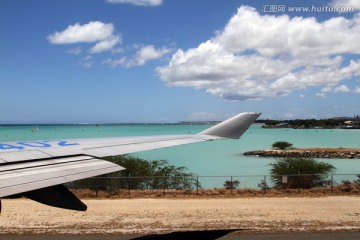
{"type": "Point", "coordinates": [198, 235]}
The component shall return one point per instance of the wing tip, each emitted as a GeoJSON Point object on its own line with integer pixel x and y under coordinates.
{"type": "Point", "coordinates": [233, 127]}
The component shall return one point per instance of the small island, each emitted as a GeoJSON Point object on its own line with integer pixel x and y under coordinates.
{"type": "Point", "coordinates": [308, 153]}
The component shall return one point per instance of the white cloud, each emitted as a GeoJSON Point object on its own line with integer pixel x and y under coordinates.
{"type": "Point", "coordinates": [105, 45]}
{"type": "Point", "coordinates": [91, 32]}
{"type": "Point", "coordinates": [346, 3]}
{"type": "Point", "coordinates": [341, 89]}
{"type": "Point", "coordinates": [257, 56]}
{"type": "Point", "coordinates": [74, 51]}
{"type": "Point", "coordinates": [326, 89]}
{"type": "Point", "coordinates": [99, 32]}
{"type": "Point", "coordinates": [143, 55]}
{"type": "Point", "coordinates": [295, 37]}
{"type": "Point", "coordinates": [336, 89]}
{"type": "Point", "coordinates": [115, 63]}
{"type": "Point", "coordinates": [302, 96]}
{"type": "Point", "coordinates": [103, 36]}
{"type": "Point", "coordinates": [321, 95]}
{"type": "Point", "coordinates": [144, 3]}
{"type": "Point", "coordinates": [148, 53]}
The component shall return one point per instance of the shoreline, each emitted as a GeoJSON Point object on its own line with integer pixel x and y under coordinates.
{"type": "Point", "coordinates": [340, 153]}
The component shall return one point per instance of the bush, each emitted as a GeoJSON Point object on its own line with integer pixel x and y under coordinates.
{"type": "Point", "coordinates": [301, 173]}
{"type": "Point", "coordinates": [345, 186]}
{"type": "Point", "coordinates": [282, 145]}
{"type": "Point", "coordinates": [263, 185]}
{"type": "Point", "coordinates": [141, 174]}
{"type": "Point", "coordinates": [231, 184]}
{"type": "Point", "coordinates": [358, 180]}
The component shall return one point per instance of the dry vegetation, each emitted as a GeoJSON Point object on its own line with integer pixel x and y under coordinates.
{"type": "Point", "coordinates": [345, 189]}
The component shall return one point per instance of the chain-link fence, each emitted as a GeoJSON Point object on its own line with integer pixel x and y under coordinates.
{"type": "Point", "coordinates": [217, 185]}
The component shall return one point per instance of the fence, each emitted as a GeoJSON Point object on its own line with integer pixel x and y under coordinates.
{"type": "Point", "coordinates": [218, 185]}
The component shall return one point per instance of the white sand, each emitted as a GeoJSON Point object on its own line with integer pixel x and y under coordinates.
{"type": "Point", "coordinates": [165, 215]}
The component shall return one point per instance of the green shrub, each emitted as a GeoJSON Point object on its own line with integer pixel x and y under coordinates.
{"type": "Point", "coordinates": [281, 145]}
{"type": "Point", "coordinates": [231, 184]}
{"type": "Point", "coordinates": [301, 173]}
{"type": "Point", "coordinates": [141, 174]}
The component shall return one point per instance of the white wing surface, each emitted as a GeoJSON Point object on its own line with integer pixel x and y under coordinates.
{"type": "Point", "coordinates": [35, 169]}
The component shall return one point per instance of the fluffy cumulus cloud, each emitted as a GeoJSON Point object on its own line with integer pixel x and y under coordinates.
{"type": "Point", "coordinates": [341, 89]}
{"type": "Point", "coordinates": [148, 53]}
{"type": "Point", "coordinates": [346, 3]}
{"type": "Point", "coordinates": [142, 56]}
{"type": "Point", "coordinates": [257, 56]}
{"type": "Point", "coordinates": [333, 89]}
{"type": "Point", "coordinates": [103, 38]}
{"type": "Point", "coordinates": [102, 34]}
{"type": "Point", "coordinates": [105, 45]}
{"type": "Point", "coordinates": [321, 95]}
{"type": "Point", "coordinates": [144, 3]}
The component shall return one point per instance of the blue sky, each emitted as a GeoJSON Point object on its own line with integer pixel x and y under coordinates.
{"type": "Point", "coordinates": [107, 61]}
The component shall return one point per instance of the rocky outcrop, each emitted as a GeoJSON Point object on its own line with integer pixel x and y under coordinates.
{"type": "Point", "coordinates": [308, 153]}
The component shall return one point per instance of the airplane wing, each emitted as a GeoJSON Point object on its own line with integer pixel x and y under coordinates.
{"type": "Point", "coordinates": [36, 169]}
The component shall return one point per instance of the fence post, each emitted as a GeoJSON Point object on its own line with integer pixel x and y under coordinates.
{"type": "Point", "coordinates": [129, 186]}
{"type": "Point", "coordinates": [332, 183]}
{"type": "Point", "coordinates": [197, 185]}
{"type": "Point", "coordinates": [108, 187]}
{"type": "Point", "coordinates": [265, 184]}
{"type": "Point", "coordinates": [96, 187]}
{"type": "Point", "coordinates": [232, 185]}
{"type": "Point", "coordinates": [164, 184]}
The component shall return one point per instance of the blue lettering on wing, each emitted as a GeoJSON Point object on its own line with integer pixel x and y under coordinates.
{"type": "Point", "coordinates": [37, 144]}
{"type": "Point", "coordinates": [9, 147]}
{"type": "Point", "coordinates": [65, 144]}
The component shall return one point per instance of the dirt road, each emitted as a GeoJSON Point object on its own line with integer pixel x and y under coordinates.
{"type": "Point", "coordinates": [146, 216]}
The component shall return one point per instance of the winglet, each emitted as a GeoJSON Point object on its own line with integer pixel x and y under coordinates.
{"type": "Point", "coordinates": [233, 127]}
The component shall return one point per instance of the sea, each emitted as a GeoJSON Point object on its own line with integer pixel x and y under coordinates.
{"type": "Point", "coordinates": [211, 159]}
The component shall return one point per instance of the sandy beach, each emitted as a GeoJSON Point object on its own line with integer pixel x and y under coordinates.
{"type": "Point", "coordinates": [143, 216]}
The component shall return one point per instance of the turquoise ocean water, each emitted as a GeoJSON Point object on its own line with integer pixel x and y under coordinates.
{"type": "Point", "coordinates": [215, 158]}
